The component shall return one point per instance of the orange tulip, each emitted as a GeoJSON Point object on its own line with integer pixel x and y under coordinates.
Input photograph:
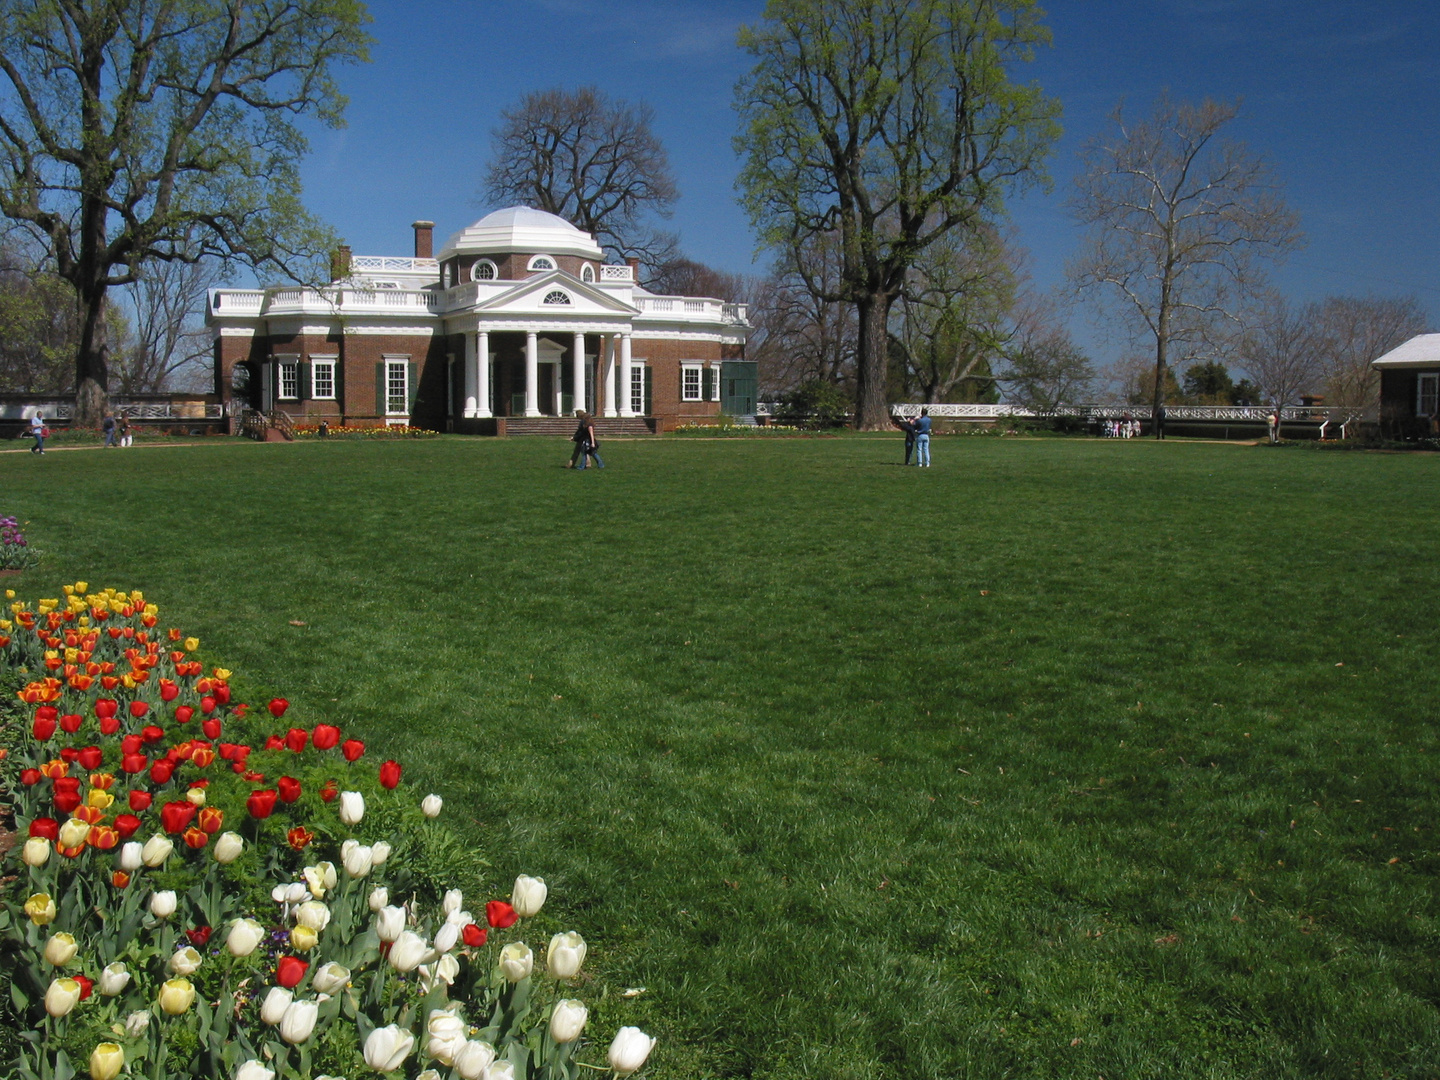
{"type": "Point", "coordinates": [54, 768]}
{"type": "Point", "coordinates": [103, 837]}
{"type": "Point", "coordinates": [196, 838]}
{"type": "Point", "coordinates": [102, 780]}
{"type": "Point", "coordinates": [120, 879]}
{"type": "Point", "coordinates": [211, 819]}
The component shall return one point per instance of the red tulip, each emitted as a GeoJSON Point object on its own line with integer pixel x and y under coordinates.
{"type": "Point", "coordinates": [474, 935]}
{"type": "Point", "coordinates": [325, 736]}
{"type": "Point", "coordinates": [299, 837]}
{"type": "Point", "coordinates": [240, 710]}
{"type": "Point", "coordinates": [161, 772]}
{"type": "Point", "coordinates": [29, 777]}
{"type": "Point", "coordinates": [222, 693]}
{"type": "Point", "coordinates": [261, 804]}
{"type": "Point", "coordinates": [352, 749]}
{"type": "Point", "coordinates": [183, 713]}
{"type": "Point", "coordinates": [274, 742]}
{"type": "Point", "coordinates": [207, 704]}
{"type": "Point", "coordinates": [134, 763]}
{"type": "Point", "coordinates": [175, 816]}
{"type": "Point", "coordinates": [47, 712]}
{"type": "Point", "coordinates": [200, 936]}
{"type": "Point", "coordinates": [43, 728]}
{"type": "Point", "coordinates": [140, 801]}
{"type": "Point", "coordinates": [90, 757]}
{"type": "Point", "coordinates": [169, 691]}
{"type": "Point", "coordinates": [330, 792]}
{"type": "Point", "coordinates": [131, 744]}
{"type": "Point", "coordinates": [289, 971]}
{"type": "Point", "coordinates": [126, 824]}
{"type": "Point", "coordinates": [227, 751]}
{"type": "Point", "coordinates": [106, 708]}
{"type": "Point", "coordinates": [87, 986]}
{"type": "Point", "coordinates": [110, 725]}
{"type": "Point", "coordinates": [69, 753]}
{"type": "Point", "coordinates": [68, 784]}
{"type": "Point", "coordinates": [296, 738]}
{"type": "Point", "coordinates": [151, 733]}
{"type": "Point", "coordinates": [70, 723]}
{"type": "Point", "coordinates": [49, 828]}
{"type": "Point", "coordinates": [67, 801]}
{"type": "Point", "coordinates": [278, 706]}
{"type": "Point", "coordinates": [500, 915]}
{"type": "Point", "coordinates": [196, 838]}
{"type": "Point", "coordinates": [390, 775]}
{"type": "Point", "coordinates": [211, 728]}
{"type": "Point", "coordinates": [211, 818]}
{"type": "Point", "coordinates": [139, 709]}
{"type": "Point", "coordinates": [289, 788]}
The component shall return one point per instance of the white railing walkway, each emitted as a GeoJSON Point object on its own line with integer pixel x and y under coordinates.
{"type": "Point", "coordinates": [1173, 413]}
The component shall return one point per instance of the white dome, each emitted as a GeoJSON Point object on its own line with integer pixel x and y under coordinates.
{"type": "Point", "coordinates": [520, 228]}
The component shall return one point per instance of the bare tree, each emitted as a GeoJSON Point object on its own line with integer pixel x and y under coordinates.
{"type": "Point", "coordinates": [1279, 349]}
{"type": "Point", "coordinates": [169, 343]}
{"type": "Point", "coordinates": [800, 336]}
{"type": "Point", "coordinates": [1044, 368]}
{"type": "Point", "coordinates": [593, 161]}
{"type": "Point", "coordinates": [1351, 332]}
{"type": "Point", "coordinates": [686, 277]}
{"type": "Point", "coordinates": [1181, 223]}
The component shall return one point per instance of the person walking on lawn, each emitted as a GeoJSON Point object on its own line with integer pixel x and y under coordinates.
{"type": "Point", "coordinates": [922, 439]}
{"type": "Point", "coordinates": [39, 431]}
{"type": "Point", "coordinates": [109, 428]}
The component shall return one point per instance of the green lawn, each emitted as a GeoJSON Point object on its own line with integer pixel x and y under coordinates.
{"type": "Point", "coordinates": [1061, 758]}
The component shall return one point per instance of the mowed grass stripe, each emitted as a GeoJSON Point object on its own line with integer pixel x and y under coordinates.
{"type": "Point", "coordinates": [865, 771]}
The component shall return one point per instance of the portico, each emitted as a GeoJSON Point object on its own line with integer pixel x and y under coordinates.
{"type": "Point", "coordinates": [546, 370]}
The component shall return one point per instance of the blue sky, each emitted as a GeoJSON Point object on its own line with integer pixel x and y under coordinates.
{"type": "Point", "coordinates": [1340, 96]}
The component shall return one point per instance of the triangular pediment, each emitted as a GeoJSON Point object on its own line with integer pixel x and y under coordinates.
{"type": "Point", "coordinates": [530, 297]}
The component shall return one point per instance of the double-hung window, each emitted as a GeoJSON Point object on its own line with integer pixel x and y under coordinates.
{"type": "Point", "coordinates": [637, 389]}
{"type": "Point", "coordinates": [322, 378]}
{"type": "Point", "coordinates": [289, 388]}
{"type": "Point", "coordinates": [397, 387]}
{"type": "Point", "coordinates": [1428, 396]}
{"type": "Point", "coordinates": [690, 385]}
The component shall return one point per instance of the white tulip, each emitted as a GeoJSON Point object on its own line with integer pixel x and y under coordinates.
{"type": "Point", "coordinates": [380, 852]}
{"type": "Point", "coordinates": [444, 970]}
{"type": "Point", "coordinates": [272, 1009]}
{"type": "Point", "coordinates": [358, 861]}
{"type": "Point", "coordinates": [454, 901]}
{"type": "Point", "coordinates": [195, 796]}
{"type": "Point", "coordinates": [388, 1047]}
{"type": "Point", "coordinates": [379, 898]}
{"type": "Point", "coordinates": [329, 978]}
{"type": "Point", "coordinates": [245, 937]}
{"type": "Point", "coordinates": [447, 937]}
{"type": "Point", "coordinates": [516, 961]}
{"type": "Point", "coordinates": [131, 857]}
{"type": "Point", "coordinates": [461, 918]}
{"type": "Point", "coordinates": [113, 980]}
{"type": "Point", "coordinates": [61, 949]}
{"type": "Point", "coordinates": [629, 1050]}
{"type": "Point", "coordinates": [280, 893]}
{"type": "Point", "coordinates": [348, 846]}
{"type": "Point", "coordinates": [185, 961]}
{"type": "Point", "coordinates": [430, 805]}
{"type": "Point", "coordinates": [297, 892]}
{"type": "Point", "coordinates": [74, 833]}
{"type": "Point", "coordinates": [313, 914]}
{"type": "Point", "coordinates": [36, 851]}
{"type": "Point", "coordinates": [352, 807]}
{"type": "Point", "coordinates": [137, 1022]}
{"type": "Point", "coordinates": [473, 1059]}
{"type": "Point", "coordinates": [446, 1036]}
{"type": "Point", "coordinates": [320, 878]}
{"type": "Point", "coordinates": [428, 1074]}
{"type": "Point", "coordinates": [156, 850]}
{"type": "Point", "coordinates": [253, 1070]}
{"type": "Point", "coordinates": [568, 1020]}
{"type": "Point", "coordinates": [499, 1070]}
{"type": "Point", "coordinates": [61, 996]}
{"type": "Point", "coordinates": [299, 1021]}
{"type": "Point", "coordinates": [389, 922]}
{"type": "Point", "coordinates": [408, 952]}
{"type": "Point", "coordinates": [528, 896]}
{"type": "Point", "coordinates": [565, 955]}
{"type": "Point", "coordinates": [162, 904]}
{"type": "Point", "coordinates": [228, 847]}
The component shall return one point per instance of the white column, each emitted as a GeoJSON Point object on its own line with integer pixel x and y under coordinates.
{"type": "Point", "coordinates": [468, 410]}
{"type": "Point", "coordinates": [607, 346]}
{"type": "Point", "coordinates": [558, 368]}
{"type": "Point", "coordinates": [625, 409]}
{"type": "Point", "coordinates": [532, 374]}
{"type": "Point", "coordinates": [577, 370]}
{"type": "Point", "coordinates": [483, 405]}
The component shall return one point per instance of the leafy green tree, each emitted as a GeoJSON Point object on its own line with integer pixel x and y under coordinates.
{"type": "Point", "coordinates": [135, 132]}
{"type": "Point", "coordinates": [1209, 383]}
{"type": "Point", "coordinates": [890, 123]}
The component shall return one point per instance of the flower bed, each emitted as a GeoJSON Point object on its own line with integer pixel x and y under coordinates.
{"type": "Point", "coordinates": [393, 431]}
{"type": "Point", "coordinates": [207, 890]}
{"type": "Point", "coordinates": [15, 551]}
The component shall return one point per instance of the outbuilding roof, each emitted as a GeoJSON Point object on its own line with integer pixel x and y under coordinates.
{"type": "Point", "coordinates": [522, 229]}
{"type": "Point", "coordinates": [1422, 351]}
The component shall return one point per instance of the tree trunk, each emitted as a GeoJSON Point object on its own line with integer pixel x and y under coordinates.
{"type": "Point", "coordinates": [1162, 339]}
{"type": "Point", "coordinates": [92, 374]}
{"type": "Point", "coordinates": [872, 411]}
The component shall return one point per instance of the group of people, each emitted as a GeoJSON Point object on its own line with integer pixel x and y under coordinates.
{"type": "Point", "coordinates": [587, 446]}
{"type": "Point", "coordinates": [917, 437]}
{"type": "Point", "coordinates": [1125, 428]}
{"type": "Point", "coordinates": [117, 432]}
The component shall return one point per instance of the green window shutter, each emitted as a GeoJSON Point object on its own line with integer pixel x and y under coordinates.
{"type": "Point", "coordinates": [302, 381]}
{"type": "Point", "coordinates": [380, 388]}
{"type": "Point", "coordinates": [649, 390]}
{"type": "Point", "coordinates": [414, 386]}
{"type": "Point", "coordinates": [710, 376]}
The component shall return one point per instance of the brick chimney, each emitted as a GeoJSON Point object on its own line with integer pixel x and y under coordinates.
{"type": "Point", "coordinates": [634, 265]}
{"type": "Point", "coordinates": [424, 239]}
{"type": "Point", "coordinates": [340, 263]}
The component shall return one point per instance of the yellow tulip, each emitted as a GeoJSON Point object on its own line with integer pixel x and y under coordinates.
{"type": "Point", "coordinates": [191, 644]}
{"type": "Point", "coordinates": [9, 594]}
{"type": "Point", "coordinates": [41, 909]}
{"type": "Point", "coordinates": [82, 586]}
{"type": "Point", "coordinates": [128, 681]}
{"type": "Point", "coordinates": [68, 590]}
{"type": "Point", "coordinates": [106, 1061]}
{"type": "Point", "coordinates": [99, 799]}
{"type": "Point", "coordinates": [222, 673]}
{"type": "Point", "coordinates": [176, 996]}
{"type": "Point", "coordinates": [303, 939]}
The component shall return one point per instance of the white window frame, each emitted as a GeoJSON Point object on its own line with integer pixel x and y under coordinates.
{"type": "Point", "coordinates": [697, 372]}
{"type": "Point", "coordinates": [316, 363]}
{"type": "Point", "coordinates": [587, 273]}
{"type": "Point", "coordinates": [715, 383]}
{"type": "Point", "coordinates": [563, 301]}
{"type": "Point", "coordinates": [475, 270]}
{"type": "Point", "coordinates": [531, 265]}
{"type": "Point", "coordinates": [402, 364]}
{"type": "Point", "coordinates": [287, 371]}
{"type": "Point", "coordinates": [637, 387]}
{"type": "Point", "coordinates": [1427, 386]}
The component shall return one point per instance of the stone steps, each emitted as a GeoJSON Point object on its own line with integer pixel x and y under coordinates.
{"type": "Point", "coordinates": [564, 426]}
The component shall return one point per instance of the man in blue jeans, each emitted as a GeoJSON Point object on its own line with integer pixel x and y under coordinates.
{"type": "Point", "coordinates": [922, 439]}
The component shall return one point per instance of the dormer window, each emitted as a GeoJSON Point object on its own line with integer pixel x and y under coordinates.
{"type": "Point", "coordinates": [541, 262]}
{"type": "Point", "coordinates": [484, 270]}
{"type": "Point", "coordinates": [556, 297]}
